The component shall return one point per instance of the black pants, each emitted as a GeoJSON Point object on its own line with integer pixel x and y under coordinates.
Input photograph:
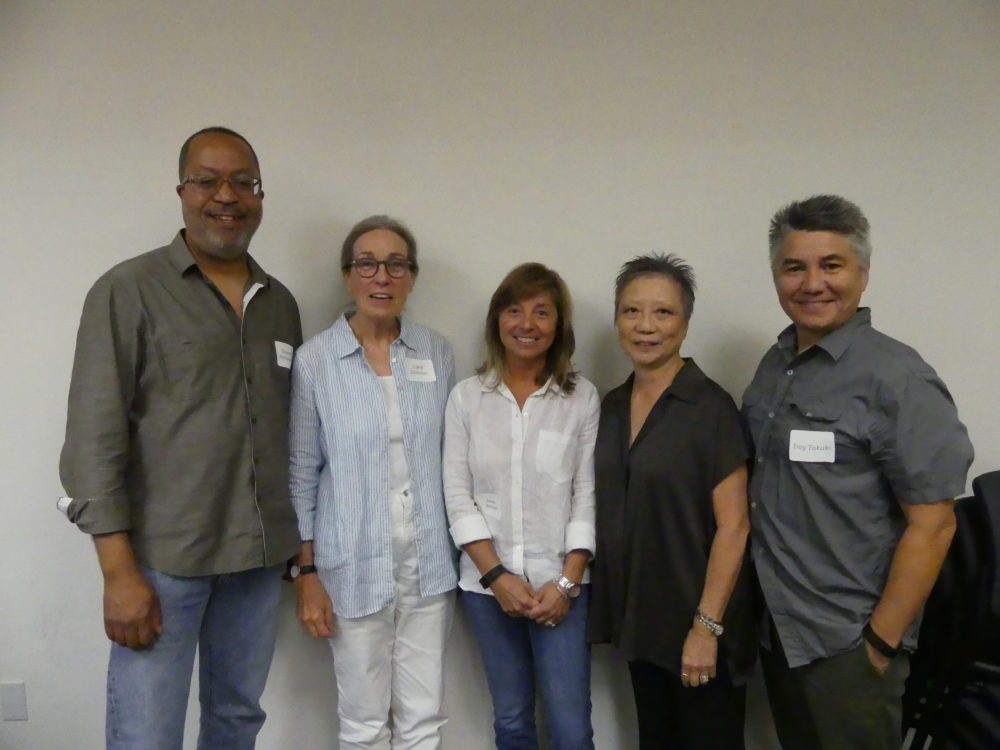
{"type": "Point", "coordinates": [674, 717]}
{"type": "Point", "coordinates": [836, 703]}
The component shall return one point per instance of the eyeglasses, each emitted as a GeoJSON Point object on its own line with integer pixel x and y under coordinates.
{"type": "Point", "coordinates": [397, 268]}
{"type": "Point", "coordinates": [211, 184]}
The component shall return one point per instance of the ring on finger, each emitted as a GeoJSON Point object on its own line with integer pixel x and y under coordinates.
{"type": "Point", "coordinates": [704, 678]}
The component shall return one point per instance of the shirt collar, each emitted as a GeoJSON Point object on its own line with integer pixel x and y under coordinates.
{"type": "Point", "coordinates": [346, 343]}
{"type": "Point", "coordinates": [491, 381]}
{"type": "Point", "coordinates": [835, 343]}
{"type": "Point", "coordinates": [183, 261]}
{"type": "Point", "coordinates": [688, 381]}
{"type": "Point", "coordinates": [686, 386]}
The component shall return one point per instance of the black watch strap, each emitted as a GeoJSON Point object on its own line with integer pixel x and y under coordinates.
{"type": "Point", "coordinates": [491, 575]}
{"type": "Point", "coordinates": [293, 571]}
{"type": "Point", "coordinates": [878, 644]}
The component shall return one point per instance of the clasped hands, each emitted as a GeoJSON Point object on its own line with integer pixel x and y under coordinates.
{"type": "Point", "coordinates": [546, 606]}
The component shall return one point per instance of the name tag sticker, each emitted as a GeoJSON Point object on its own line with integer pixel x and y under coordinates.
{"type": "Point", "coordinates": [283, 352]}
{"type": "Point", "coordinates": [812, 446]}
{"type": "Point", "coordinates": [419, 370]}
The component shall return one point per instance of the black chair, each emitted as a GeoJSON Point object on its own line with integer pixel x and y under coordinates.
{"type": "Point", "coordinates": [952, 699]}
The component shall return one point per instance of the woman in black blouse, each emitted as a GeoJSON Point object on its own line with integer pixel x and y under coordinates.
{"type": "Point", "coordinates": [669, 586]}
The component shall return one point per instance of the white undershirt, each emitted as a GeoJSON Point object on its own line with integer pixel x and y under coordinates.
{"type": "Point", "coordinates": [399, 471]}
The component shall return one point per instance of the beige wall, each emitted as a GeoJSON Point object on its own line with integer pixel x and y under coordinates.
{"type": "Point", "coordinates": [573, 133]}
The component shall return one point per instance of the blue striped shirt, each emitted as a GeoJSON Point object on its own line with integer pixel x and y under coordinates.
{"type": "Point", "coordinates": [339, 449]}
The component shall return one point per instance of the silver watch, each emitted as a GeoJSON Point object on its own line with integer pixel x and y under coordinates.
{"type": "Point", "coordinates": [567, 588]}
{"type": "Point", "coordinates": [713, 626]}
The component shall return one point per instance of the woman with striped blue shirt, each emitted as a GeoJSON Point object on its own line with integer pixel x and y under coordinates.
{"type": "Point", "coordinates": [376, 569]}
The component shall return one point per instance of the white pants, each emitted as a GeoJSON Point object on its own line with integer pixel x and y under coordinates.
{"type": "Point", "coordinates": [392, 661]}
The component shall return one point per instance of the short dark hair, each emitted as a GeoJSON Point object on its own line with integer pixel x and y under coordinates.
{"type": "Point", "coordinates": [379, 221]}
{"type": "Point", "coordinates": [182, 160]}
{"type": "Point", "coordinates": [527, 280]}
{"type": "Point", "coordinates": [821, 213]}
{"type": "Point", "coordinates": [657, 264]}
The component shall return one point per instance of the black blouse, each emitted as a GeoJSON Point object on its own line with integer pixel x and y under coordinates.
{"type": "Point", "coordinates": [656, 522]}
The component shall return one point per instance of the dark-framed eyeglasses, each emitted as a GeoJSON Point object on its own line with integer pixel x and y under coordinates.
{"type": "Point", "coordinates": [397, 268]}
{"type": "Point", "coordinates": [210, 184]}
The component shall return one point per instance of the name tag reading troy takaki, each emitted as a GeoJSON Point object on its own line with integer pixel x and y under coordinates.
{"type": "Point", "coordinates": [812, 446]}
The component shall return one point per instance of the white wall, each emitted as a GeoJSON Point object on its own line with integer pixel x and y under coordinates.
{"type": "Point", "coordinates": [573, 133]}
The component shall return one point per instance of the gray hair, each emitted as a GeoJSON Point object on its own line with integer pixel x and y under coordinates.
{"type": "Point", "coordinates": [822, 213]}
{"type": "Point", "coordinates": [657, 264]}
{"type": "Point", "coordinates": [379, 221]}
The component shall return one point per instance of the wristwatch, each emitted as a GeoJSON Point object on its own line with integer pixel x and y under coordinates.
{"type": "Point", "coordinates": [713, 626]}
{"type": "Point", "coordinates": [491, 575]}
{"type": "Point", "coordinates": [294, 571]}
{"type": "Point", "coordinates": [569, 589]}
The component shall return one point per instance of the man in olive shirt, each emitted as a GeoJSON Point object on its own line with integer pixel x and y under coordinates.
{"type": "Point", "coordinates": [859, 454]}
{"type": "Point", "coordinates": [176, 459]}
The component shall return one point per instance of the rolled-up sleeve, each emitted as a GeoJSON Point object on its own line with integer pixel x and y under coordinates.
{"type": "Point", "coordinates": [306, 458]}
{"type": "Point", "coordinates": [580, 531]}
{"type": "Point", "coordinates": [919, 441]}
{"type": "Point", "coordinates": [95, 454]}
{"type": "Point", "coordinates": [466, 522]}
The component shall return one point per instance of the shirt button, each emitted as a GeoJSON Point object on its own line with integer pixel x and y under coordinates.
{"type": "Point", "coordinates": [249, 381]}
{"type": "Point", "coordinates": [760, 459]}
{"type": "Point", "coordinates": [770, 415]}
{"type": "Point", "coordinates": [253, 420]}
{"type": "Point", "coordinates": [753, 505]}
{"type": "Point", "coordinates": [789, 372]}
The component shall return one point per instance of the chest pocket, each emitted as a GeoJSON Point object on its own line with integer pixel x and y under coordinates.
{"type": "Point", "coordinates": [816, 414]}
{"type": "Point", "coordinates": [554, 455]}
{"type": "Point", "coordinates": [199, 370]}
{"type": "Point", "coordinates": [846, 420]}
{"type": "Point", "coordinates": [752, 410]}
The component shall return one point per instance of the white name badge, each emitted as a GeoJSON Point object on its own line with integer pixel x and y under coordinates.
{"type": "Point", "coordinates": [809, 445]}
{"type": "Point", "coordinates": [284, 353]}
{"type": "Point", "coordinates": [419, 370]}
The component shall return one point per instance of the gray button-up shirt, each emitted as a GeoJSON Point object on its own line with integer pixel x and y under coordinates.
{"type": "Point", "coordinates": [178, 416]}
{"type": "Point", "coordinates": [824, 533]}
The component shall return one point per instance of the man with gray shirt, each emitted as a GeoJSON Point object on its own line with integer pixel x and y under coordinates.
{"type": "Point", "coordinates": [176, 459]}
{"type": "Point", "coordinates": [859, 454]}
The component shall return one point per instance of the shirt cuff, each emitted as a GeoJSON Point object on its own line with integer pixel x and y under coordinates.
{"type": "Point", "coordinates": [100, 515]}
{"type": "Point", "coordinates": [471, 528]}
{"type": "Point", "coordinates": [580, 535]}
{"type": "Point", "coordinates": [307, 524]}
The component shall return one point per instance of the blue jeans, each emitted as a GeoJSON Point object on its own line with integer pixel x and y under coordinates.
{"type": "Point", "coordinates": [231, 620]}
{"type": "Point", "coordinates": [518, 653]}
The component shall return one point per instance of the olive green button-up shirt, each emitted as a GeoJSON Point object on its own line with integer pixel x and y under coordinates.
{"type": "Point", "coordinates": [177, 429]}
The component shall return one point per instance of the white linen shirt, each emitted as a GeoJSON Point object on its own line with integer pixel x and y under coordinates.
{"type": "Point", "coordinates": [522, 478]}
{"type": "Point", "coordinates": [339, 472]}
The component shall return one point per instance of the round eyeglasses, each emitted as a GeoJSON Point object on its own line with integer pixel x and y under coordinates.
{"type": "Point", "coordinates": [210, 184]}
{"type": "Point", "coordinates": [397, 268]}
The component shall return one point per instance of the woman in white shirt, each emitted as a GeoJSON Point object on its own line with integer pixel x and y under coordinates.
{"type": "Point", "coordinates": [376, 567]}
{"type": "Point", "coordinates": [519, 487]}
